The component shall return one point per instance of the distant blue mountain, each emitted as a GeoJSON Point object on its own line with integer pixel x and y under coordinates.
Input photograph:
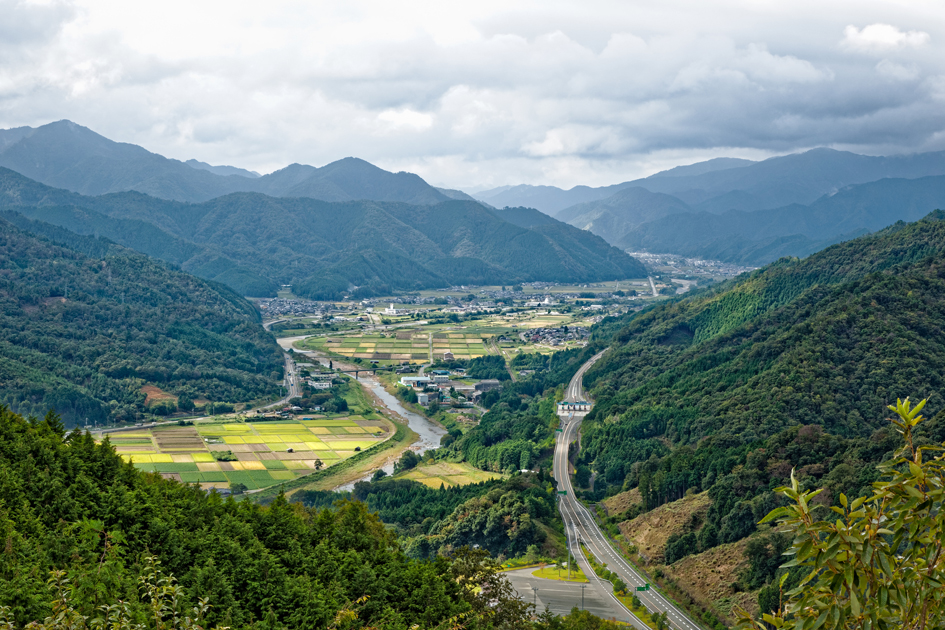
{"type": "Point", "coordinates": [69, 156]}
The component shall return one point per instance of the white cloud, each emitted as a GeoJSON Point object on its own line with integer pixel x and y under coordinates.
{"type": "Point", "coordinates": [897, 71]}
{"type": "Point", "coordinates": [491, 92]}
{"type": "Point", "coordinates": [879, 38]}
{"type": "Point", "coordinates": [405, 119]}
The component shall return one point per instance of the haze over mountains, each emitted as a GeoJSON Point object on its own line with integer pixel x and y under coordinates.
{"type": "Point", "coordinates": [748, 212]}
{"type": "Point", "coordinates": [735, 210]}
{"type": "Point", "coordinates": [66, 155]}
{"type": "Point", "coordinates": [254, 243]}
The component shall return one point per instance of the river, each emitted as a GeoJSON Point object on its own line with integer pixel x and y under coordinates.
{"type": "Point", "coordinates": [428, 432]}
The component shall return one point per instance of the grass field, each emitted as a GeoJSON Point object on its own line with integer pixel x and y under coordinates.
{"type": "Point", "coordinates": [261, 449]}
{"type": "Point", "coordinates": [447, 475]}
{"type": "Point", "coordinates": [556, 573]}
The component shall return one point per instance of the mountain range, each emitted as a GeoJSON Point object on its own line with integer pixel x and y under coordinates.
{"type": "Point", "coordinates": [254, 243]}
{"type": "Point", "coordinates": [747, 212]}
{"type": "Point", "coordinates": [69, 156]}
{"type": "Point", "coordinates": [729, 209]}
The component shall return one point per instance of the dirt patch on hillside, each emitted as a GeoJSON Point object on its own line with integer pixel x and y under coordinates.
{"type": "Point", "coordinates": [708, 578]}
{"type": "Point", "coordinates": [156, 395]}
{"type": "Point", "coordinates": [649, 532]}
{"type": "Point", "coordinates": [620, 503]}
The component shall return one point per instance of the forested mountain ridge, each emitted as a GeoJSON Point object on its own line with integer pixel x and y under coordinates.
{"type": "Point", "coordinates": [70, 156]}
{"type": "Point", "coordinates": [81, 333]}
{"type": "Point", "coordinates": [721, 353]}
{"type": "Point", "coordinates": [252, 242]}
{"type": "Point", "coordinates": [720, 391]}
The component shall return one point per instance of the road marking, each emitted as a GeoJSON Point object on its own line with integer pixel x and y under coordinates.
{"type": "Point", "coordinates": [577, 518]}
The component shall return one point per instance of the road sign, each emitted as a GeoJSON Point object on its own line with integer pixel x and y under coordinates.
{"type": "Point", "coordinates": [646, 587]}
{"type": "Point", "coordinates": [562, 491]}
{"type": "Point", "coordinates": [559, 430]}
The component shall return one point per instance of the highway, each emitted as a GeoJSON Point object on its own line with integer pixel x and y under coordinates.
{"type": "Point", "coordinates": [581, 527]}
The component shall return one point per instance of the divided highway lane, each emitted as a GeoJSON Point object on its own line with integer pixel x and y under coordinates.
{"type": "Point", "coordinates": [575, 391]}
{"type": "Point", "coordinates": [580, 525]}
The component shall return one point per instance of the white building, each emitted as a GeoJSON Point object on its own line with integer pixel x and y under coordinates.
{"type": "Point", "coordinates": [415, 381]}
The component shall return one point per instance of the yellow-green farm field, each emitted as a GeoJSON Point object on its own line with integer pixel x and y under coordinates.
{"type": "Point", "coordinates": [448, 474]}
{"type": "Point", "coordinates": [263, 453]}
{"type": "Point", "coordinates": [404, 346]}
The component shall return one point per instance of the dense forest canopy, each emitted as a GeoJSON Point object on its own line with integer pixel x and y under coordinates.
{"type": "Point", "coordinates": [82, 334]}
{"type": "Point", "coordinates": [504, 517]}
{"type": "Point", "coordinates": [107, 533]}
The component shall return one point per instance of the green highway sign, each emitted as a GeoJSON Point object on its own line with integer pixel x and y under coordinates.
{"type": "Point", "coordinates": [644, 588]}
{"type": "Point", "coordinates": [559, 430]}
{"type": "Point", "coordinates": [562, 491]}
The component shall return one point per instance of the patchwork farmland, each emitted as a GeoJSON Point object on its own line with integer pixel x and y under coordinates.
{"type": "Point", "coordinates": [406, 346]}
{"type": "Point", "coordinates": [258, 452]}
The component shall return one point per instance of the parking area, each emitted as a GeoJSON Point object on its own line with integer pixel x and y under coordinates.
{"type": "Point", "coordinates": [560, 597]}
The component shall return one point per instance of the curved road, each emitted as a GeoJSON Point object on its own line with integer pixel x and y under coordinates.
{"type": "Point", "coordinates": [581, 527]}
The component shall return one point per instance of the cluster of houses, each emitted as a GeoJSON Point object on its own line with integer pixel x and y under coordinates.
{"type": "Point", "coordinates": [316, 380]}
{"type": "Point", "coordinates": [281, 307]}
{"type": "Point", "coordinates": [439, 387]}
{"type": "Point", "coordinates": [556, 336]}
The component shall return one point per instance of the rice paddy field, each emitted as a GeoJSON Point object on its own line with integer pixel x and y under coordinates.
{"type": "Point", "coordinates": [448, 475]}
{"type": "Point", "coordinates": [261, 449]}
{"type": "Point", "coordinates": [405, 346]}
{"type": "Point", "coordinates": [415, 345]}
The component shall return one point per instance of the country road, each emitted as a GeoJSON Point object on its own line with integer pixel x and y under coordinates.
{"type": "Point", "coordinates": [581, 528]}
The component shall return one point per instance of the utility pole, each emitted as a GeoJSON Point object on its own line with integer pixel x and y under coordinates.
{"type": "Point", "coordinates": [535, 597]}
{"type": "Point", "coordinates": [583, 586]}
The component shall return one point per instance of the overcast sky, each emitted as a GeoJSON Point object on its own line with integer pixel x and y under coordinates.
{"type": "Point", "coordinates": [484, 93]}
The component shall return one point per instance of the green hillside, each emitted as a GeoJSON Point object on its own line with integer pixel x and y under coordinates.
{"type": "Point", "coordinates": [83, 332]}
{"type": "Point", "coordinates": [728, 390]}
{"type": "Point", "coordinates": [74, 506]}
{"type": "Point", "coordinates": [698, 389]}
{"type": "Point", "coordinates": [253, 243]}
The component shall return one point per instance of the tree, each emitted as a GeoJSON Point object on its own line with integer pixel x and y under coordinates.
{"type": "Point", "coordinates": [708, 537]}
{"type": "Point", "coordinates": [488, 591]}
{"type": "Point", "coordinates": [879, 564]}
{"type": "Point", "coordinates": [238, 488]}
{"type": "Point", "coordinates": [407, 461]}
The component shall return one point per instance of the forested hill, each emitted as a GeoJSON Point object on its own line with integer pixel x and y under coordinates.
{"type": "Point", "coordinates": [253, 243]}
{"type": "Point", "coordinates": [827, 340]}
{"type": "Point", "coordinates": [74, 506]}
{"type": "Point", "coordinates": [724, 380]}
{"type": "Point", "coordinates": [82, 333]}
